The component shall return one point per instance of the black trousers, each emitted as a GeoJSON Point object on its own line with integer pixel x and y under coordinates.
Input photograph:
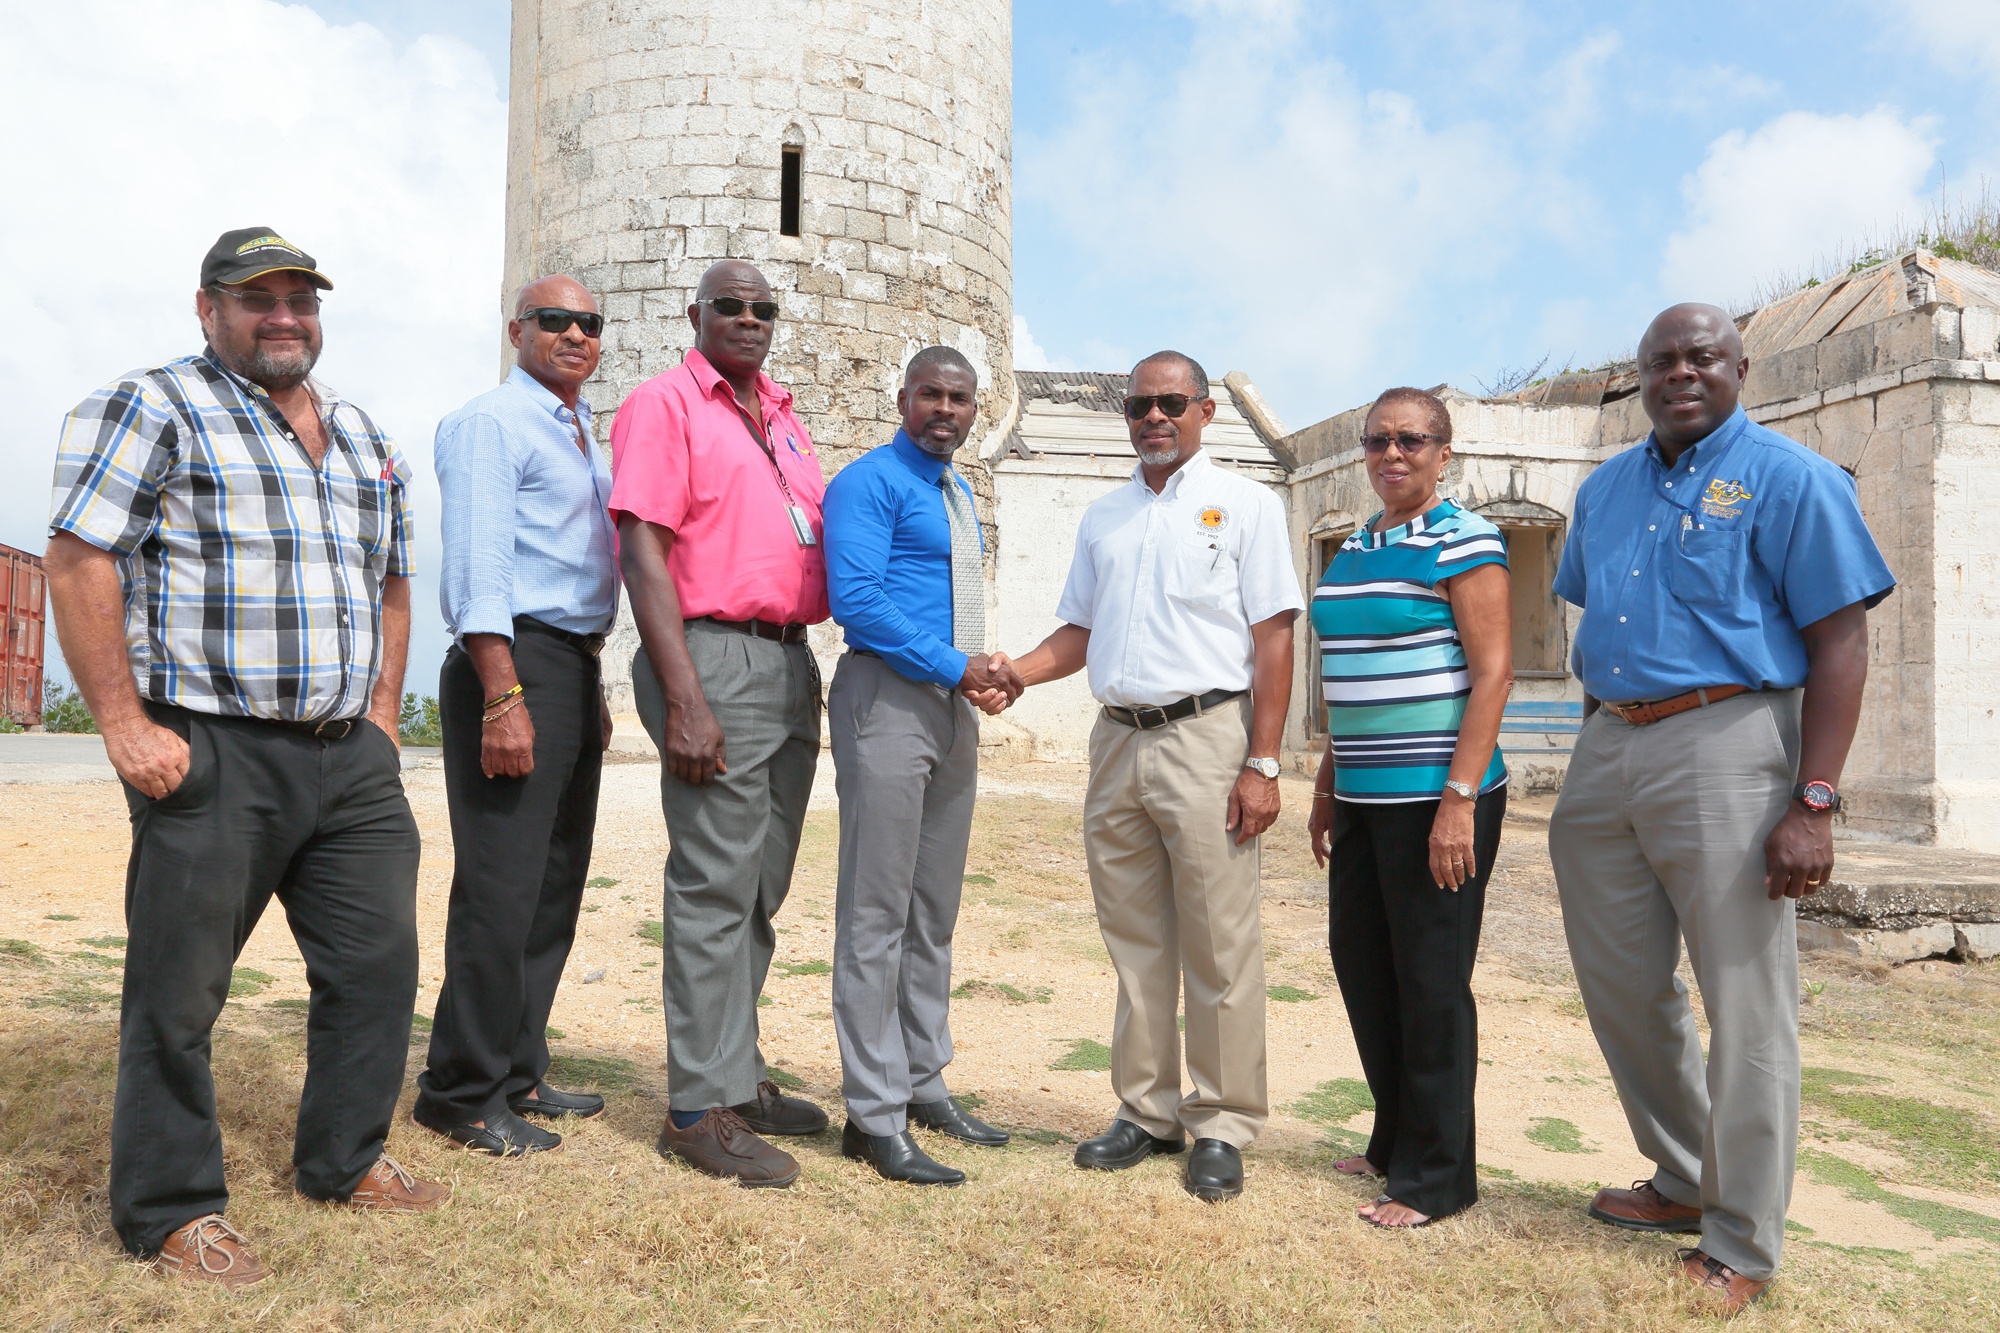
{"type": "Point", "coordinates": [522, 851]}
{"type": "Point", "coordinates": [324, 825]}
{"type": "Point", "coordinates": [1403, 951]}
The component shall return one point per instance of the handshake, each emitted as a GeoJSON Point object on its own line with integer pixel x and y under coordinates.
{"type": "Point", "coordinates": [991, 682]}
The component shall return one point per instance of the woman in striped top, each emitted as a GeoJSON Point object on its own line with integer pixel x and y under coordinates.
{"type": "Point", "coordinates": [1416, 658]}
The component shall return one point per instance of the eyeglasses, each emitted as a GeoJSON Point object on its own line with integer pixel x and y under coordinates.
{"type": "Point", "coordinates": [303, 305]}
{"type": "Point", "coordinates": [1409, 442]}
{"type": "Point", "coordinates": [729, 307]}
{"type": "Point", "coordinates": [555, 319]}
{"type": "Point", "coordinates": [1171, 405]}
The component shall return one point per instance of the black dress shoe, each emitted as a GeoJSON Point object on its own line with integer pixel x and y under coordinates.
{"type": "Point", "coordinates": [897, 1157]}
{"type": "Point", "coordinates": [772, 1112]}
{"type": "Point", "coordinates": [554, 1103]}
{"type": "Point", "coordinates": [503, 1135]}
{"type": "Point", "coordinates": [948, 1117]}
{"type": "Point", "coordinates": [1123, 1145]}
{"type": "Point", "coordinates": [1214, 1171]}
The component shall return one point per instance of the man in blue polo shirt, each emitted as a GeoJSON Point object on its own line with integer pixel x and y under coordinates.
{"type": "Point", "coordinates": [905, 579]}
{"type": "Point", "coordinates": [1725, 575]}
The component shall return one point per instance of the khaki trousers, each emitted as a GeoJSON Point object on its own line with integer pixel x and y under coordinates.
{"type": "Point", "coordinates": [1658, 837]}
{"type": "Point", "coordinates": [1178, 898]}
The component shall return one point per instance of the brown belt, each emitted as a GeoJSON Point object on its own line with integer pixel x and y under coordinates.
{"type": "Point", "coordinates": [795, 632]}
{"type": "Point", "coordinates": [1643, 714]}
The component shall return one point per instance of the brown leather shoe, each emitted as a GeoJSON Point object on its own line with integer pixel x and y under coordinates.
{"type": "Point", "coordinates": [1712, 1274]}
{"type": "Point", "coordinates": [1643, 1208]}
{"type": "Point", "coordinates": [772, 1112]}
{"type": "Point", "coordinates": [389, 1188]}
{"type": "Point", "coordinates": [208, 1249]}
{"type": "Point", "coordinates": [721, 1145]}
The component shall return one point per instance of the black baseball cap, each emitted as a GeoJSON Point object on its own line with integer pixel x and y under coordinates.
{"type": "Point", "coordinates": [247, 252]}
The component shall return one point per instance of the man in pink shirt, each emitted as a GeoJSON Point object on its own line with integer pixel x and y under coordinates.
{"type": "Point", "coordinates": [716, 492]}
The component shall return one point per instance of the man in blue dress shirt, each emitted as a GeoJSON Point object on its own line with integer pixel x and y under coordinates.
{"type": "Point", "coordinates": [529, 588]}
{"type": "Point", "coordinates": [1725, 576]}
{"type": "Point", "coordinates": [905, 578]}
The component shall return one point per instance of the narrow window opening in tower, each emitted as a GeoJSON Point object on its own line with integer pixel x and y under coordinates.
{"type": "Point", "coordinates": [791, 181]}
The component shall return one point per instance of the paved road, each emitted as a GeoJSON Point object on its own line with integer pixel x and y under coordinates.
{"type": "Point", "coordinates": [37, 757]}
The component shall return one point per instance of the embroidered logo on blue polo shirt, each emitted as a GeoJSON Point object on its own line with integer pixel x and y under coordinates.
{"type": "Point", "coordinates": [1724, 499]}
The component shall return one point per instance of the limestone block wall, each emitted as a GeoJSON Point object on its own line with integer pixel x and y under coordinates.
{"type": "Point", "coordinates": [646, 141]}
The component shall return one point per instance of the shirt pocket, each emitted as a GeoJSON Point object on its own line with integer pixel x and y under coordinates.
{"type": "Point", "coordinates": [1705, 568]}
{"type": "Point", "coordinates": [1201, 573]}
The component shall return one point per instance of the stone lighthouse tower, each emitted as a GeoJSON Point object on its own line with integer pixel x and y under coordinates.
{"type": "Point", "coordinates": [857, 151]}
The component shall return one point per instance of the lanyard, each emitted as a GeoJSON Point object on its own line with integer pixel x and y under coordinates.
{"type": "Point", "coordinates": [769, 452]}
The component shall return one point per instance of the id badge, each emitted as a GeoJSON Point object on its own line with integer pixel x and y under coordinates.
{"type": "Point", "coordinates": [801, 526]}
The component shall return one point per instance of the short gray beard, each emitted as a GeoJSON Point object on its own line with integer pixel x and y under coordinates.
{"type": "Point", "coordinates": [924, 443]}
{"type": "Point", "coordinates": [1159, 459]}
{"type": "Point", "coordinates": [277, 374]}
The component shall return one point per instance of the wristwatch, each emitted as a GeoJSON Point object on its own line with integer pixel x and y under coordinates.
{"type": "Point", "coordinates": [1818, 797]}
{"type": "Point", "coordinates": [1268, 767]}
{"type": "Point", "coordinates": [1462, 788]}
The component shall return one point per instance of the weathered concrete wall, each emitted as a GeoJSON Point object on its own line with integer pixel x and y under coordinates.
{"type": "Point", "coordinates": [646, 141]}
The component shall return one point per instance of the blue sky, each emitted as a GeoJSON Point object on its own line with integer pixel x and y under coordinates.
{"type": "Point", "coordinates": [1333, 198]}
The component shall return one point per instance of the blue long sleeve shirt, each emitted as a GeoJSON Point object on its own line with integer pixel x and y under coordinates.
{"type": "Point", "coordinates": [888, 559]}
{"type": "Point", "coordinates": [526, 532]}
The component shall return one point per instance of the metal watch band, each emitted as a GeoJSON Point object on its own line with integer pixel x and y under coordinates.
{"type": "Point", "coordinates": [1462, 788]}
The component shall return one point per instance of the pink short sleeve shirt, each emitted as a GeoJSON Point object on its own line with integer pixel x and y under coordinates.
{"type": "Point", "coordinates": [682, 456]}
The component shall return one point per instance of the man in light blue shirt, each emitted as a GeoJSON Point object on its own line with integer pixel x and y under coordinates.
{"type": "Point", "coordinates": [905, 580]}
{"type": "Point", "coordinates": [1725, 576]}
{"type": "Point", "coordinates": [529, 589]}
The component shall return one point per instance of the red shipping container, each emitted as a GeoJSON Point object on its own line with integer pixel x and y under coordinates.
{"type": "Point", "coordinates": [24, 592]}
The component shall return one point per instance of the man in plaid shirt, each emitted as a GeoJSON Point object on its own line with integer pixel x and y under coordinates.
{"type": "Point", "coordinates": [229, 565]}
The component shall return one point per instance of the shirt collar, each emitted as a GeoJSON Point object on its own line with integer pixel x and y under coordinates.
{"type": "Point", "coordinates": [918, 459]}
{"type": "Point", "coordinates": [1707, 447]}
{"type": "Point", "coordinates": [545, 397]}
{"type": "Point", "coordinates": [709, 378]}
{"type": "Point", "coordinates": [1196, 464]}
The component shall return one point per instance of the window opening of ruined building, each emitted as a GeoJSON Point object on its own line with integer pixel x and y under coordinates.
{"type": "Point", "coordinates": [1532, 554]}
{"type": "Point", "coordinates": [791, 183]}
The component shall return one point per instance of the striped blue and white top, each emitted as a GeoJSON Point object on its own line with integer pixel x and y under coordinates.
{"type": "Point", "coordinates": [1391, 663]}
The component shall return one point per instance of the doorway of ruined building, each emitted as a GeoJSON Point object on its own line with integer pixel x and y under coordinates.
{"type": "Point", "coordinates": [1541, 647]}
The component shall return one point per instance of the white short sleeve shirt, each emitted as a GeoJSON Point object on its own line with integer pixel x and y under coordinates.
{"type": "Point", "coordinates": [1169, 584]}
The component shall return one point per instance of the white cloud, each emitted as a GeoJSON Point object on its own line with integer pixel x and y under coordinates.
{"type": "Point", "coordinates": [1029, 354]}
{"type": "Point", "coordinates": [1962, 35]}
{"type": "Point", "coordinates": [1799, 188]}
{"type": "Point", "coordinates": [142, 131]}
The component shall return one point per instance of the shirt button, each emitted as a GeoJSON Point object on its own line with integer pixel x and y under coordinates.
{"type": "Point", "coordinates": [1616, 672]}
{"type": "Point", "coordinates": [1652, 527]}
{"type": "Point", "coordinates": [1621, 620]}
{"type": "Point", "coordinates": [1670, 485]}
{"type": "Point", "coordinates": [1635, 573]}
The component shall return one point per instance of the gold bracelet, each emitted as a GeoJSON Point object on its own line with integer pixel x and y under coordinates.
{"type": "Point", "coordinates": [499, 699]}
{"type": "Point", "coordinates": [496, 716]}
{"type": "Point", "coordinates": [1322, 796]}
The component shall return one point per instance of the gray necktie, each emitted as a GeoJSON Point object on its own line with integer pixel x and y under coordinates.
{"type": "Point", "coordinates": [968, 576]}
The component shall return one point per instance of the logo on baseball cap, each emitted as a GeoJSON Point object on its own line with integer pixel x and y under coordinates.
{"type": "Point", "coordinates": [248, 252]}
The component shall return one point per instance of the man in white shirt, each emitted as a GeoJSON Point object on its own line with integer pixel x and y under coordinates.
{"type": "Point", "coordinates": [1180, 601]}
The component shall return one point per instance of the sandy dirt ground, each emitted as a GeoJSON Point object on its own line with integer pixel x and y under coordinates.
{"type": "Point", "coordinates": [1027, 928]}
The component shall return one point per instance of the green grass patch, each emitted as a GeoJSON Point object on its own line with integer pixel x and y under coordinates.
{"type": "Point", "coordinates": [23, 951]}
{"type": "Point", "coordinates": [1085, 1056]}
{"type": "Point", "coordinates": [653, 932]}
{"type": "Point", "coordinates": [247, 981]}
{"type": "Point", "coordinates": [61, 916]}
{"type": "Point", "coordinates": [1940, 1219]}
{"type": "Point", "coordinates": [979, 879]}
{"type": "Point", "coordinates": [975, 988]}
{"type": "Point", "coordinates": [814, 967]}
{"type": "Point", "coordinates": [601, 882]}
{"type": "Point", "coordinates": [1290, 994]}
{"type": "Point", "coordinates": [105, 941]}
{"type": "Point", "coordinates": [418, 1023]}
{"type": "Point", "coordinates": [554, 1034]}
{"type": "Point", "coordinates": [73, 995]}
{"type": "Point", "coordinates": [1046, 1138]}
{"type": "Point", "coordinates": [1334, 1102]}
{"type": "Point", "coordinates": [765, 1002]}
{"type": "Point", "coordinates": [1556, 1135]}
{"type": "Point", "coordinates": [606, 1073]}
{"type": "Point", "coordinates": [97, 959]}
{"type": "Point", "coordinates": [784, 1078]}
{"type": "Point", "coordinates": [292, 1006]}
{"type": "Point", "coordinates": [971, 1101]}
{"type": "Point", "coordinates": [1947, 1140]}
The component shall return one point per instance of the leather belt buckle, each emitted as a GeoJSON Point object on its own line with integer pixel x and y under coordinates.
{"type": "Point", "coordinates": [1149, 718]}
{"type": "Point", "coordinates": [325, 730]}
{"type": "Point", "coordinates": [592, 644]}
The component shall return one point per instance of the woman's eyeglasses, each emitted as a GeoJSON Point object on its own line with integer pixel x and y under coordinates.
{"type": "Point", "coordinates": [1408, 441]}
{"type": "Point", "coordinates": [555, 319]}
{"type": "Point", "coordinates": [1171, 405]}
{"type": "Point", "coordinates": [730, 307]}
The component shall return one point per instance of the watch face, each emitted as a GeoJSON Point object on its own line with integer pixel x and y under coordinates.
{"type": "Point", "coordinates": [1817, 796]}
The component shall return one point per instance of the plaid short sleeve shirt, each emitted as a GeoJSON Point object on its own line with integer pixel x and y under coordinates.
{"type": "Point", "coordinates": [253, 580]}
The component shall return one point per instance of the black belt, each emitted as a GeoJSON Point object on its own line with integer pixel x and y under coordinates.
{"type": "Point", "coordinates": [330, 729]}
{"type": "Point", "coordinates": [1152, 719]}
{"type": "Point", "coordinates": [795, 632]}
{"type": "Point", "coordinates": [593, 644]}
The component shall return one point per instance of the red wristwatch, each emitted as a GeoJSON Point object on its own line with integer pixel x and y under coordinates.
{"type": "Point", "coordinates": [1818, 797]}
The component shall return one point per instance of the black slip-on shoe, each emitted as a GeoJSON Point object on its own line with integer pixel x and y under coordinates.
{"type": "Point", "coordinates": [554, 1104]}
{"type": "Point", "coordinates": [948, 1117]}
{"type": "Point", "coordinates": [503, 1135]}
{"type": "Point", "coordinates": [1214, 1171]}
{"type": "Point", "coordinates": [897, 1157]}
{"type": "Point", "coordinates": [1121, 1146]}
{"type": "Point", "coordinates": [772, 1112]}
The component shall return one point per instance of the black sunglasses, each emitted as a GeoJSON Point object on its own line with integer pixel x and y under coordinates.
{"type": "Point", "coordinates": [729, 307]}
{"type": "Point", "coordinates": [1408, 441]}
{"type": "Point", "coordinates": [554, 319]}
{"type": "Point", "coordinates": [1171, 405]}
